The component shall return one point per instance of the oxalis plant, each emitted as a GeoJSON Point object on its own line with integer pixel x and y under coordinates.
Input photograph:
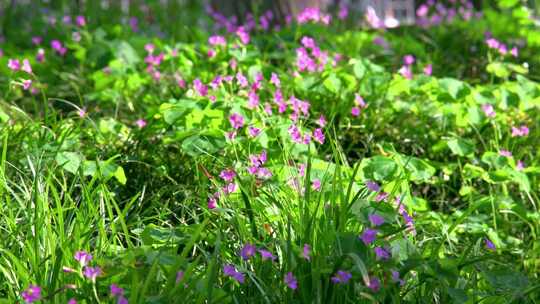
{"type": "Point", "coordinates": [304, 160]}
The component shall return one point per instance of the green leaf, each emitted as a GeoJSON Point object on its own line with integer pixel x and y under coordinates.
{"type": "Point", "coordinates": [70, 161]}
{"type": "Point", "coordinates": [120, 176]}
{"type": "Point", "coordinates": [461, 146]}
{"type": "Point", "coordinates": [379, 168]}
{"type": "Point", "coordinates": [332, 83]}
{"type": "Point", "coordinates": [455, 88]}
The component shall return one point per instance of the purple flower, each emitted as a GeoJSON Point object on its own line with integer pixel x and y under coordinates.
{"type": "Point", "coordinates": [376, 220]}
{"type": "Point", "coordinates": [374, 284]}
{"type": "Point", "coordinates": [122, 300]}
{"type": "Point", "coordinates": [248, 251]}
{"type": "Point", "coordinates": [266, 255]}
{"type": "Point", "coordinates": [83, 257]}
{"type": "Point", "coordinates": [236, 120]}
{"type": "Point", "coordinates": [306, 252]}
{"type": "Point", "coordinates": [341, 277]}
{"type": "Point", "coordinates": [116, 291]}
{"type": "Point", "coordinates": [92, 272]}
{"type": "Point", "coordinates": [291, 281]}
{"type": "Point", "coordinates": [489, 244]}
{"type": "Point", "coordinates": [373, 186]}
{"type": "Point", "coordinates": [488, 110]}
{"type": "Point", "coordinates": [230, 271]}
{"type": "Point", "coordinates": [382, 253]}
{"type": "Point", "coordinates": [396, 278]}
{"type": "Point", "coordinates": [368, 236]}
{"type": "Point", "coordinates": [227, 175]}
{"type": "Point", "coordinates": [321, 121]}
{"type": "Point", "coordinates": [493, 43]}
{"type": "Point", "coordinates": [72, 301]}
{"type": "Point", "coordinates": [32, 294]}
{"type": "Point", "coordinates": [179, 276]}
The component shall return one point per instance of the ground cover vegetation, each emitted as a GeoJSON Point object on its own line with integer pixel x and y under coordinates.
{"type": "Point", "coordinates": [203, 159]}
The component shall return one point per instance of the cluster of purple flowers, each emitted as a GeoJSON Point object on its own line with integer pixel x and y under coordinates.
{"type": "Point", "coordinates": [435, 12]}
{"type": "Point", "coordinates": [500, 47]}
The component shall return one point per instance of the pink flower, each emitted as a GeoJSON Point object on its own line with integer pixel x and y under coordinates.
{"type": "Point", "coordinates": [211, 53]}
{"type": "Point", "coordinates": [406, 72]}
{"type": "Point", "coordinates": [212, 201]}
{"type": "Point", "coordinates": [92, 272]}
{"type": "Point", "coordinates": [141, 123]}
{"type": "Point", "coordinates": [14, 64]}
{"type": "Point", "coordinates": [242, 80]}
{"type": "Point", "coordinates": [236, 120]}
{"type": "Point", "coordinates": [36, 40]}
{"type": "Point", "coordinates": [243, 35]}
{"type": "Point", "coordinates": [83, 257]}
{"type": "Point", "coordinates": [488, 110]}
{"type": "Point", "coordinates": [40, 56]}
{"type": "Point", "coordinates": [422, 10]}
{"type": "Point", "coordinates": [514, 51]}
{"type": "Point", "coordinates": [493, 43]}
{"type": "Point", "coordinates": [274, 79]}
{"type": "Point", "coordinates": [306, 252]}
{"type": "Point", "coordinates": [318, 135]}
{"type": "Point", "coordinates": [505, 153]}
{"type": "Point", "coordinates": [253, 100]}
{"type": "Point", "coordinates": [32, 294]}
{"type": "Point", "coordinates": [217, 40]}
{"type": "Point", "coordinates": [316, 185]}
{"type": "Point", "coordinates": [80, 20]}
{"type": "Point", "coordinates": [321, 121]}
{"type": "Point", "coordinates": [355, 111]}
{"type": "Point", "coordinates": [520, 165]}
{"type": "Point", "coordinates": [521, 131]}
{"type": "Point", "coordinates": [26, 84]}
{"type": "Point", "coordinates": [200, 87]}
{"type": "Point", "coordinates": [343, 11]}
{"type": "Point", "coordinates": [72, 301]}
{"type": "Point", "coordinates": [428, 69]}
{"type": "Point", "coordinates": [253, 131]}
{"type": "Point", "coordinates": [26, 66]}
{"type": "Point", "coordinates": [381, 197]}
{"type": "Point", "coordinates": [291, 281]}
{"type": "Point", "coordinates": [149, 47]}
{"type": "Point", "coordinates": [408, 59]}
{"type": "Point", "coordinates": [227, 175]}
